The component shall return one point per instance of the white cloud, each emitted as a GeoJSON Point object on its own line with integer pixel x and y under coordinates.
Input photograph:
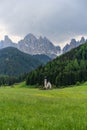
{"type": "Point", "coordinates": [59, 20]}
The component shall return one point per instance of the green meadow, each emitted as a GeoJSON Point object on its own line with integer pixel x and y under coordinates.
{"type": "Point", "coordinates": [24, 108]}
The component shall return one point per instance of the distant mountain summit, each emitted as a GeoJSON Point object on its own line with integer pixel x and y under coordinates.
{"type": "Point", "coordinates": [73, 44]}
{"type": "Point", "coordinates": [31, 45]}
{"type": "Point", "coordinates": [7, 43]}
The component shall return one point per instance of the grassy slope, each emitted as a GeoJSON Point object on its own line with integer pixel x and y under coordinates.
{"type": "Point", "coordinates": [33, 109]}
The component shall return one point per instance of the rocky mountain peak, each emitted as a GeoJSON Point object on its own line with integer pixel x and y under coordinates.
{"type": "Point", "coordinates": [40, 37]}
{"type": "Point", "coordinates": [29, 40]}
{"type": "Point", "coordinates": [31, 45]}
{"type": "Point", "coordinates": [82, 40]}
{"type": "Point", "coordinates": [73, 44]}
{"type": "Point", "coordinates": [30, 37]}
{"type": "Point", "coordinates": [7, 42]}
{"type": "Point", "coordinates": [7, 39]}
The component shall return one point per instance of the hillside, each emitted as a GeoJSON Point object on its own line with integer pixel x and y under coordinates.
{"type": "Point", "coordinates": [14, 62]}
{"type": "Point", "coordinates": [65, 70]}
{"type": "Point", "coordinates": [42, 58]}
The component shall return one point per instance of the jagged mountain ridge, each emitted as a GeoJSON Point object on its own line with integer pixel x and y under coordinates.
{"type": "Point", "coordinates": [73, 44]}
{"type": "Point", "coordinates": [30, 44]}
{"type": "Point", "coordinates": [7, 42]}
{"type": "Point", "coordinates": [33, 46]}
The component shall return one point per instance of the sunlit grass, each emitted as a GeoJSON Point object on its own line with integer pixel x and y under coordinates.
{"type": "Point", "coordinates": [23, 108]}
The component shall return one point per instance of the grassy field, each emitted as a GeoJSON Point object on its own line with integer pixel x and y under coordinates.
{"type": "Point", "coordinates": [34, 109]}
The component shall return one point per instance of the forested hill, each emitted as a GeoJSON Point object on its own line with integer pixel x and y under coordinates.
{"type": "Point", "coordinates": [65, 70]}
{"type": "Point", "coordinates": [14, 62]}
{"type": "Point", "coordinates": [42, 58]}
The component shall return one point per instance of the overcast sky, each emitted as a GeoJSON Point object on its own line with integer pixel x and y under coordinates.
{"type": "Point", "coordinates": [58, 20]}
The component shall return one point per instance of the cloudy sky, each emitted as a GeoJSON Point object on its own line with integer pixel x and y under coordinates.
{"type": "Point", "coordinates": [59, 20]}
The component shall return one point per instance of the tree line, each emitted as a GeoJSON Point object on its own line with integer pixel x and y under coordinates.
{"type": "Point", "coordinates": [6, 80]}
{"type": "Point", "coordinates": [68, 69]}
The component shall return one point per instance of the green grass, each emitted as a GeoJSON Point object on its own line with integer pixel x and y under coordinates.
{"type": "Point", "coordinates": [34, 109]}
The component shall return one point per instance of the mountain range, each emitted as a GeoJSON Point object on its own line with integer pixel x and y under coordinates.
{"type": "Point", "coordinates": [13, 62]}
{"type": "Point", "coordinates": [33, 46]}
{"type": "Point", "coordinates": [73, 44]}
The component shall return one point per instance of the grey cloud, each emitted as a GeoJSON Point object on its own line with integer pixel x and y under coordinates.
{"type": "Point", "coordinates": [56, 19]}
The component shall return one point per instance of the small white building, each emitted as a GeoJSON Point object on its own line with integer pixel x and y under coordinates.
{"type": "Point", "coordinates": [45, 82]}
{"type": "Point", "coordinates": [47, 85]}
